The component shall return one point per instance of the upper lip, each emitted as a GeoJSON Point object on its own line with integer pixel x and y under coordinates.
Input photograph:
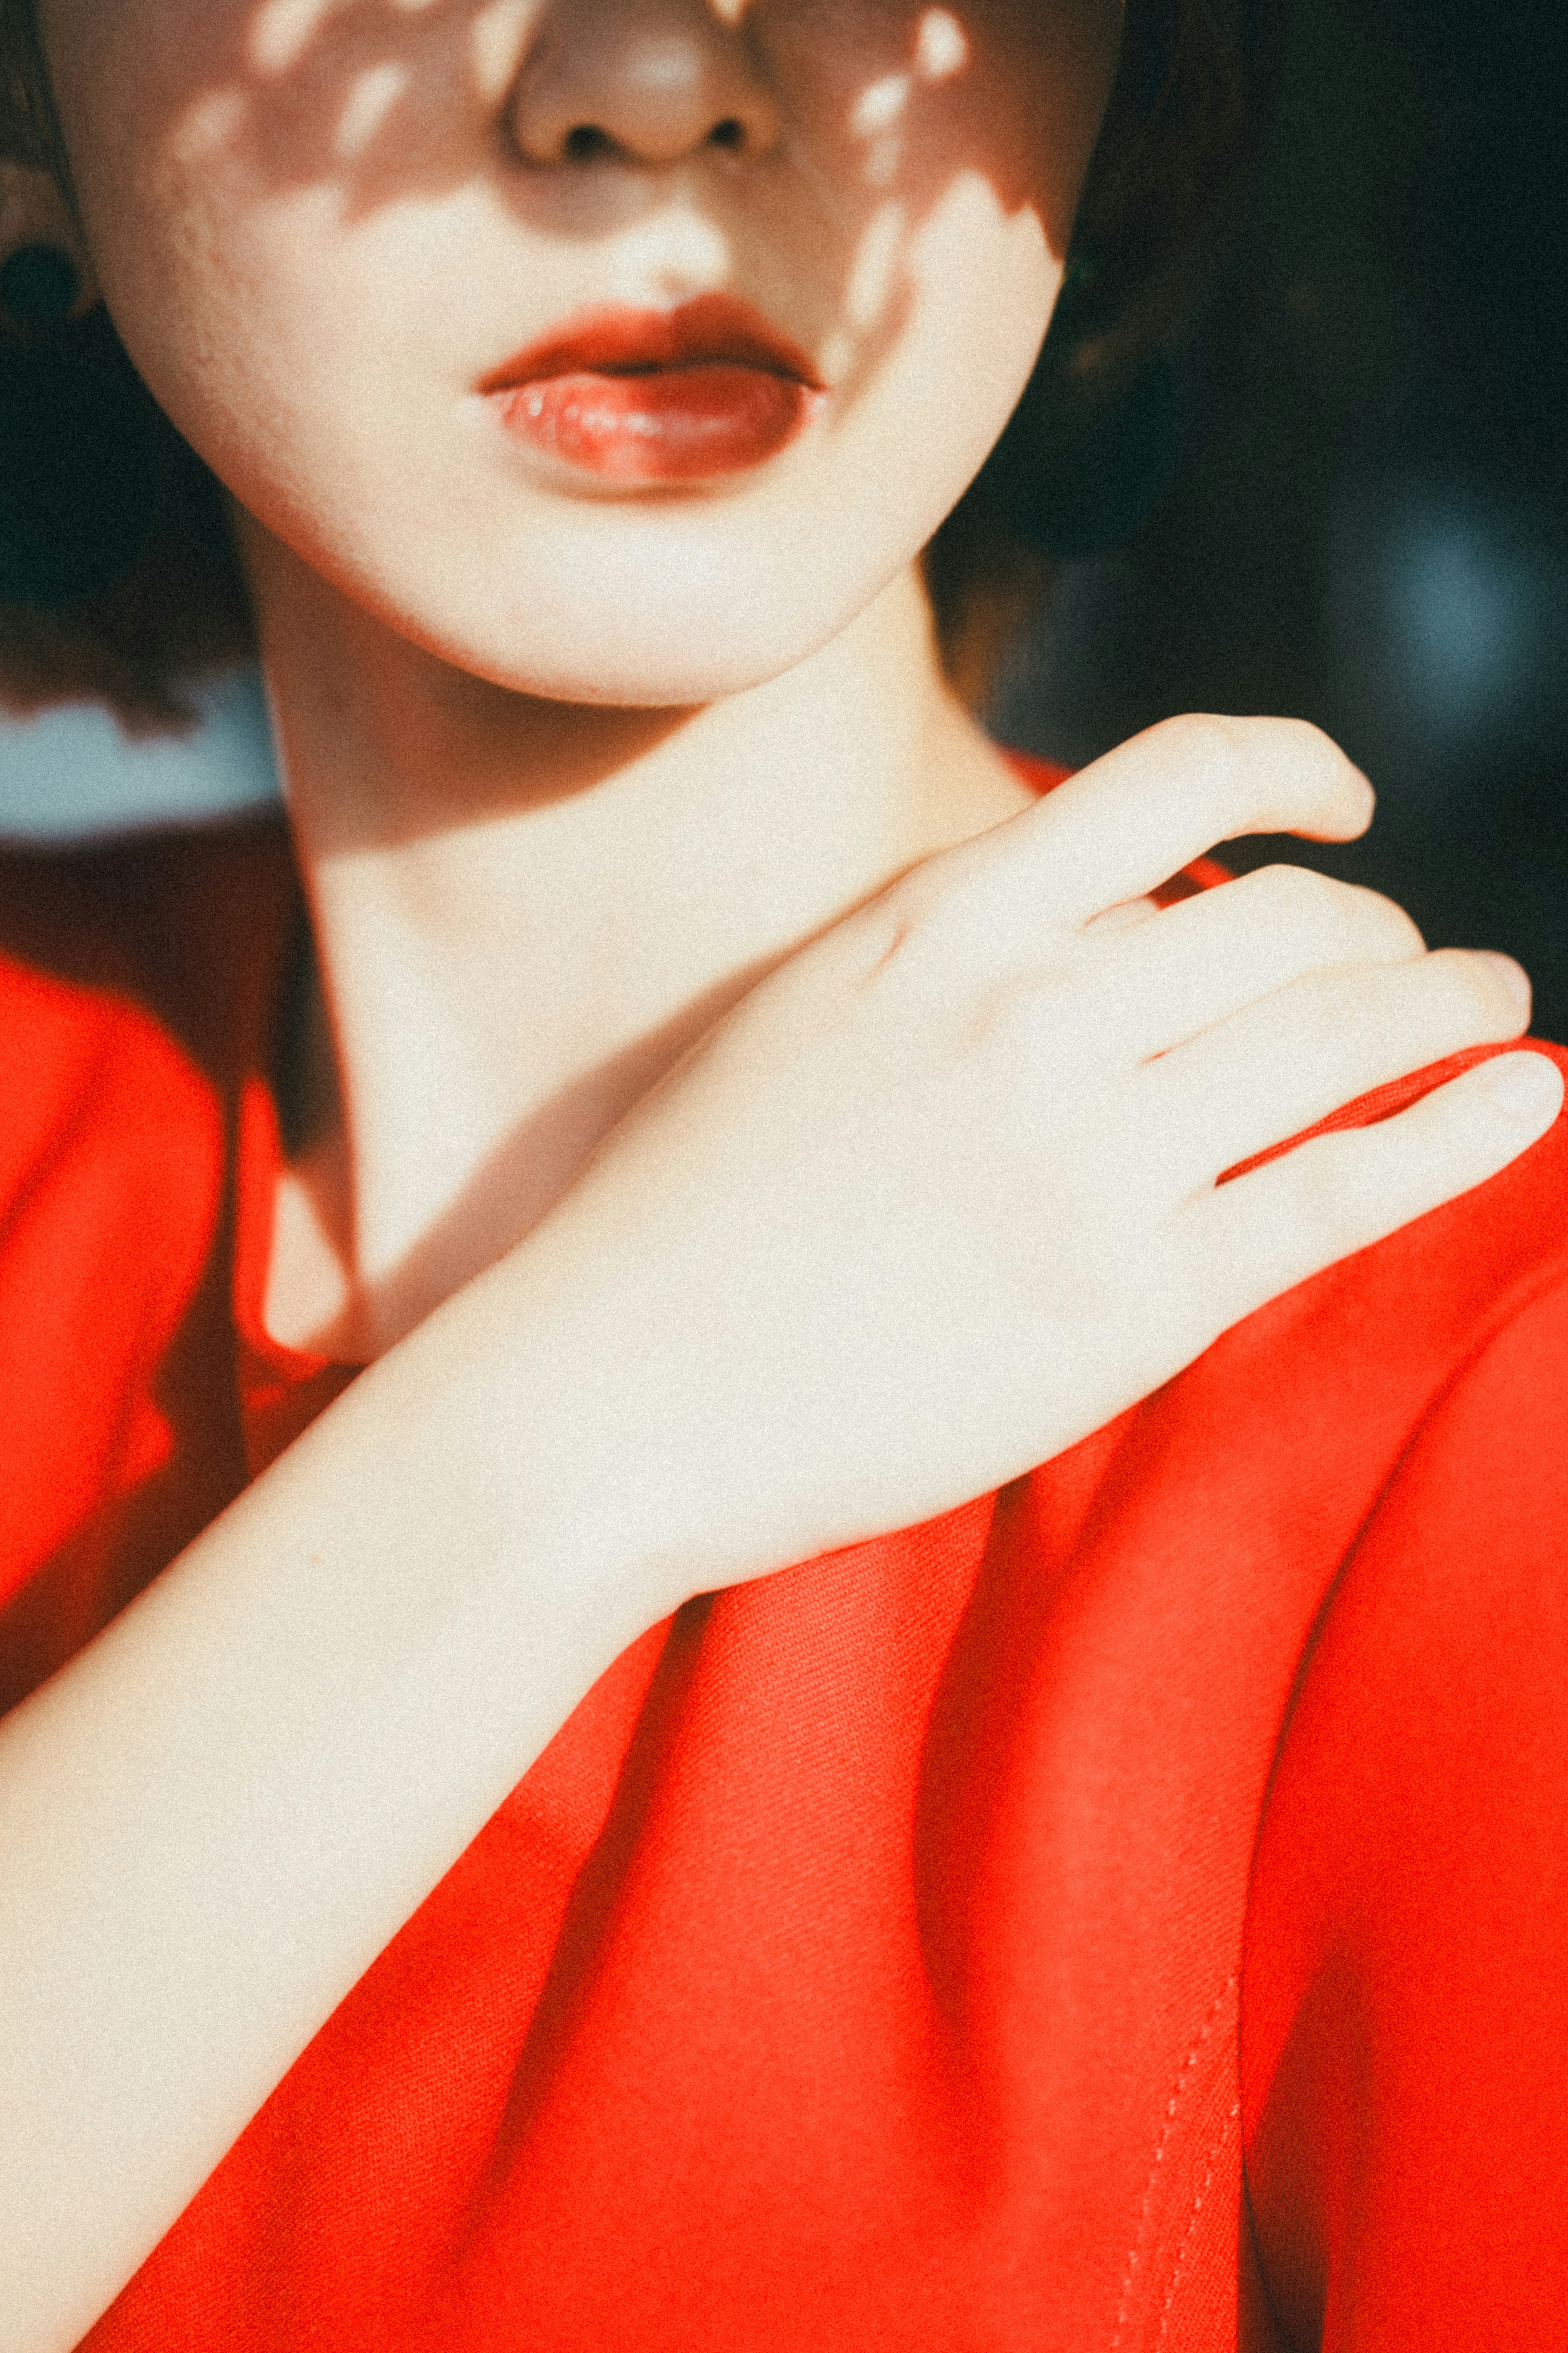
{"type": "Point", "coordinates": [713, 329]}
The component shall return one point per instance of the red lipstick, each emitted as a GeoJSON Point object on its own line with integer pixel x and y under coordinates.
{"type": "Point", "coordinates": [650, 396]}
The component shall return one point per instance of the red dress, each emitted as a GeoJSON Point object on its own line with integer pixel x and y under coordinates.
{"type": "Point", "coordinates": [1127, 1913]}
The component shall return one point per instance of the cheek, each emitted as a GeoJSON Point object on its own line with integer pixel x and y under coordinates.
{"type": "Point", "coordinates": [320, 352]}
{"type": "Point", "coordinates": [226, 149]}
{"type": "Point", "coordinates": [900, 94]}
{"type": "Point", "coordinates": [945, 317]}
{"type": "Point", "coordinates": [936, 126]}
{"type": "Point", "coordinates": [242, 287]}
{"type": "Point", "coordinates": [141, 86]}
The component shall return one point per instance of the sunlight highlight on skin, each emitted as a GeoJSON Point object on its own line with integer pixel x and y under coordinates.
{"type": "Point", "coordinates": [679, 252]}
{"type": "Point", "coordinates": [282, 30]}
{"type": "Point", "coordinates": [941, 51]}
{"type": "Point", "coordinates": [370, 101]}
{"type": "Point", "coordinates": [878, 112]}
{"type": "Point", "coordinates": [879, 105]}
{"type": "Point", "coordinates": [875, 269]}
{"type": "Point", "coordinates": [211, 124]}
{"type": "Point", "coordinates": [942, 46]}
{"type": "Point", "coordinates": [492, 45]}
{"type": "Point", "coordinates": [968, 216]}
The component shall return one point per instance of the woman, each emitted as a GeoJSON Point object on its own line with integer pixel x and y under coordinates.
{"type": "Point", "coordinates": [729, 1115]}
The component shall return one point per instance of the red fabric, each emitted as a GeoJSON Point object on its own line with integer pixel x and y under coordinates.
{"type": "Point", "coordinates": [1126, 1912]}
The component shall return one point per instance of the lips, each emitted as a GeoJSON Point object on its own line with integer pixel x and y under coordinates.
{"type": "Point", "coordinates": [653, 396]}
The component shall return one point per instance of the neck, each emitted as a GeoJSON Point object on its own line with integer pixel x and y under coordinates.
{"type": "Point", "coordinates": [525, 912]}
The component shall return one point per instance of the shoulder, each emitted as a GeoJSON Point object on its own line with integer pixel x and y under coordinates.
{"type": "Point", "coordinates": [1405, 1990]}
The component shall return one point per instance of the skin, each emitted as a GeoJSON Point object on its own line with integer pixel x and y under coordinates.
{"type": "Point", "coordinates": [438, 606]}
{"type": "Point", "coordinates": [690, 970]}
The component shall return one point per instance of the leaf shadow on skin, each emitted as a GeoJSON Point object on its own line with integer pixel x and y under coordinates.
{"type": "Point", "coordinates": [379, 99]}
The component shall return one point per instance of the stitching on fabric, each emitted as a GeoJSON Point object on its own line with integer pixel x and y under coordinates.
{"type": "Point", "coordinates": [1192, 2224]}
{"type": "Point", "coordinates": [1173, 2104]}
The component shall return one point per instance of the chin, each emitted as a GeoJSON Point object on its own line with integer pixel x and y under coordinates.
{"type": "Point", "coordinates": [682, 625]}
{"type": "Point", "coordinates": [638, 671]}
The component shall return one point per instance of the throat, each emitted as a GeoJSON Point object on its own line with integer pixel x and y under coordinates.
{"type": "Point", "coordinates": [516, 936]}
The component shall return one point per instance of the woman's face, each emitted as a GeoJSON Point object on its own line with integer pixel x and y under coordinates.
{"type": "Point", "coordinates": [615, 350]}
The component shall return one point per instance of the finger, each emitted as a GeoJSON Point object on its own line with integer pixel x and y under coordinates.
{"type": "Point", "coordinates": [1282, 1064]}
{"type": "Point", "coordinates": [1269, 1230]}
{"type": "Point", "coordinates": [1119, 829]}
{"type": "Point", "coordinates": [1209, 956]}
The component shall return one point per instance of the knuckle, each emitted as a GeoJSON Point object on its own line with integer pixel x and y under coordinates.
{"type": "Point", "coordinates": [1310, 910]}
{"type": "Point", "coordinates": [913, 904]}
{"type": "Point", "coordinates": [882, 935]}
{"type": "Point", "coordinates": [1300, 754]}
{"type": "Point", "coordinates": [1466, 993]}
{"type": "Point", "coordinates": [1297, 893]}
{"type": "Point", "coordinates": [1325, 1199]}
{"type": "Point", "coordinates": [1309, 744]}
{"type": "Point", "coordinates": [1212, 748]}
{"type": "Point", "coordinates": [1383, 920]}
{"type": "Point", "coordinates": [1032, 1039]}
{"type": "Point", "coordinates": [1342, 920]}
{"type": "Point", "coordinates": [1262, 773]}
{"type": "Point", "coordinates": [917, 918]}
{"type": "Point", "coordinates": [1307, 775]}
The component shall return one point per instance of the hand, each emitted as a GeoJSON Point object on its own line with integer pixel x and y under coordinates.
{"type": "Point", "coordinates": [935, 1201]}
{"type": "Point", "coordinates": [939, 1198]}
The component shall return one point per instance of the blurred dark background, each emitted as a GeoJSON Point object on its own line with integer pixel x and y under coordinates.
{"type": "Point", "coordinates": [1369, 527]}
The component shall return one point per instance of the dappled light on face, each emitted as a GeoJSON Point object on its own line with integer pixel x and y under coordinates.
{"type": "Point", "coordinates": [941, 45]}
{"type": "Point", "coordinates": [492, 50]}
{"type": "Point", "coordinates": [941, 50]}
{"type": "Point", "coordinates": [675, 254]}
{"type": "Point", "coordinates": [282, 31]}
{"type": "Point", "coordinates": [211, 124]}
{"type": "Point", "coordinates": [875, 273]}
{"type": "Point", "coordinates": [370, 101]}
{"type": "Point", "coordinates": [363, 93]}
{"type": "Point", "coordinates": [900, 117]}
{"type": "Point", "coordinates": [879, 106]}
{"type": "Point", "coordinates": [345, 233]}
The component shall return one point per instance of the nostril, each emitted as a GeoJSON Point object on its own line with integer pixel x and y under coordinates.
{"type": "Point", "coordinates": [586, 144]}
{"type": "Point", "coordinates": [730, 134]}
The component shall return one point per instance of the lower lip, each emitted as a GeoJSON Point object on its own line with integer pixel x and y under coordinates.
{"type": "Point", "coordinates": [672, 425]}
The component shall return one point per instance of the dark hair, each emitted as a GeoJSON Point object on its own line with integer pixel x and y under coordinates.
{"type": "Point", "coordinates": [1182, 130]}
{"type": "Point", "coordinates": [1093, 441]}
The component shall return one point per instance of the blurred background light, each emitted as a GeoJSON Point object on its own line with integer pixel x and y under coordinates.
{"type": "Point", "coordinates": [70, 774]}
{"type": "Point", "coordinates": [1369, 526]}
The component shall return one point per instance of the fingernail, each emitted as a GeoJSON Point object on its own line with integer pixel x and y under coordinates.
{"type": "Point", "coordinates": [1527, 1086]}
{"type": "Point", "coordinates": [1513, 977]}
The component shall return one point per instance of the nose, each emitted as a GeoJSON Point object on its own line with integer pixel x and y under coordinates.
{"type": "Point", "coordinates": [641, 81]}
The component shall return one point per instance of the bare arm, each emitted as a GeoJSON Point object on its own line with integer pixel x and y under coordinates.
{"type": "Point", "coordinates": [216, 1816]}
{"type": "Point", "coordinates": [935, 1203]}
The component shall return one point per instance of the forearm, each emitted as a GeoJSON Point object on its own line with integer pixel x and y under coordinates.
{"type": "Point", "coordinates": [213, 1821]}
